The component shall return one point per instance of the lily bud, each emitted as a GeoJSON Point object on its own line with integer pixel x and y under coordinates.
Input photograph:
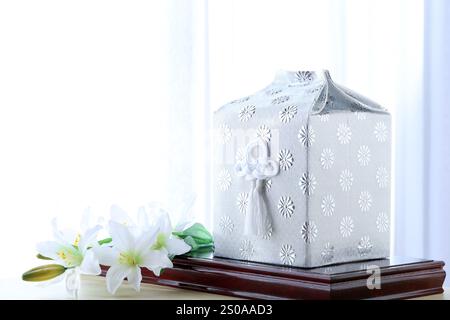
{"type": "Point", "coordinates": [43, 273]}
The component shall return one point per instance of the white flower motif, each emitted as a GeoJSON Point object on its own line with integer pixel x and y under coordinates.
{"type": "Point", "coordinates": [285, 159]}
{"type": "Point", "coordinates": [224, 134]}
{"type": "Point", "coordinates": [240, 154]}
{"type": "Point", "coordinates": [382, 222]}
{"type": "Point", "coordinates": [364, 246]}
{"type": "Point", "coordinates": [308, 183]}
{"type": "Point", "coordinates": [361, 115]}
{"type": "Point", "coordinates": [304, 77]}
{"type": "Point", "coordinates": [365, 201]}
{"type": "Point", "coordinates": [382, 177]}
{"type": "Point", "coordinates": [346, 227]}
{"type": "Point", "coordinates": [327, 158]}
{"type": "Point", "coordinates": [247, 250]}
{"type": "Point", "coordinates": [328, 253]}
{"type": "Point", "coordinates": [224, 180]}
{"type": "Point", "coordinates": [264, 133]}
{"type": "Point", "coordinates": [246, 113]}
{"type": "Point", "coordinates": [269, 232]}
{"type": "Point", "coordinates": [273, 92]}
{"type": "Point", "coordinates": [344, 133]}
{"type": "Point", "coordinates": [306, 136]}
{"type": "Point", "coordinates": [242, 201]}
{"type": "Point", "coordinates": [287, 254]}
{"type": "Point", "coordinates": [226, 225]}
{"type": "Point", "coordinates": [346, 180]}
{"type": "Point", "coordinates": [268, 184]}
{"type": "Point", "coordinates": [364, 156]}
{"type": "Point", "coordinates": [328, 205]}
{"type": "Point", "coordinates": [288, 113]}
{"type": "Point", "coordinates": [324, 117]}
{"type": "Point", "coordinates": [381, 132]}
{"type": "Point", "coordinates": [281, 100]}
{"type": "Point", "coordinates": [286, 207]}
{"type": "Point", "coordinates": [309, 231]}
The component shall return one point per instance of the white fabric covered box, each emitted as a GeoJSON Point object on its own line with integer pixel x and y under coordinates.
{"type": "Point", "coordinates": [302, 174]}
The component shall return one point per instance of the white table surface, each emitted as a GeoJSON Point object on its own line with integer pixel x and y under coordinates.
{"type": "Point", "coordinates": [94, 288]}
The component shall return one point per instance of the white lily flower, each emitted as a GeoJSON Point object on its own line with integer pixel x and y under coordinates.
{"type": "Point", "coordinates": [136, 226]}
{"type": "Point", "coordinates": [166, 244]}
{"type": "Point", "coordinates": [70, 249]}
{"type": "Point", "coordinates": [148, 216]}
{"type": "Point", "coordinates": [129, 254]}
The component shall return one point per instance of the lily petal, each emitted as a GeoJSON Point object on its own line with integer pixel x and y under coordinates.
{"type": "Point", "coordinates": [121, 235]}
{"type": "Point", "coordinates": [145, 240]}
{"type": "Point", "coordinates": [115, 276]}
{"type": "Point", "coordinates": [66, 237]}
{"type": "Point", "coordinates": [50, 250]}
{"type": "Point", "coordinates": [90, 264]}
{"type": "Point", "coordinates": [142, 218]}
{"type": "Point", "coordinates": [135, 278]}
{"type": "Point", "coordinates": [106, 255]}
{"type": "Point", "coordinates": [157, 260]}
{"type": "Point", "coordinates": [120, 216]}
{"type": "Point", "coordinates": [88, 238]}
{"type": "Point", "coordinates": [163, 223]}
{"type": "Point", "coordinates": [177, 247]}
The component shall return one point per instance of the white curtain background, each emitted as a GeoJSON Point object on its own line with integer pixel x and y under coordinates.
{"type": "Point", "coordinates": [109, 102]}
{"type": "Point", "coordinates": [436, 110]}
{"type": "Point", "coordinates": [101, 103]}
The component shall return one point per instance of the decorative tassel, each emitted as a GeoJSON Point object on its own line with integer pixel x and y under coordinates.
{"type": "Point", "coordinates": [257, 170]}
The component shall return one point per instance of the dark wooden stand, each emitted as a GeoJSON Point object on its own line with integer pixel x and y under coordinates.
{"type": "Point", "coordinates": [401, 278]}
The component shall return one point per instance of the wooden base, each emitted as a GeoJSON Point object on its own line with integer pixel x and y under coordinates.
{"type": "Point", "coordinates": [400, 278]}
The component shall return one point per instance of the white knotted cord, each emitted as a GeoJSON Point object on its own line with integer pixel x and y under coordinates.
{"type": "Point", "coordinates": [256, 169]}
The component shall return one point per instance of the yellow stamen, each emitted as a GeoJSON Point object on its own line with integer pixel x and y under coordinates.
{"type": "Point", "coordinates": [77, 240]}
{"type": "Point", "coordinates": [129, 258]}
{"type": "Point", "coordinates": [71, 257]}
{"type": "Point", "coordinates": [160, 242]}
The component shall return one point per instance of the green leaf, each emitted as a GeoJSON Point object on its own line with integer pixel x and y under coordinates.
{"type": "Point", "coordinates": [199, 239]}
{"type": "Point", "coordinates": [105, 241]}
{"type": "Point", "coordinates": [198, 232]}
{"type": "Point", "coordinates": [191, 241]}
{"type": "Point", "coordinates": [43, 273]}
{"type": "Point", "coordinates": [40, 256]}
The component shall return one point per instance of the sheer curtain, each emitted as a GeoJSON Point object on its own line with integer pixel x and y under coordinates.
{"type": "Point", "coordinates": [105, 102]}
{"type": "Point", "coordinates": [437, 134]}
{"type": "Point", "coordinates": [101, 103]}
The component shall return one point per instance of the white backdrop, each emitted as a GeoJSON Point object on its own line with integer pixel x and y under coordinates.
{"type": "Point", "coordinates": [106, 102]}
{"type": "Point", "coordinates": [101, 103]}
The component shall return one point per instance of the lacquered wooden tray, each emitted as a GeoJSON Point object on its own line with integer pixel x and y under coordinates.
{"type": "Point", "coordinates": [400, 278]}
